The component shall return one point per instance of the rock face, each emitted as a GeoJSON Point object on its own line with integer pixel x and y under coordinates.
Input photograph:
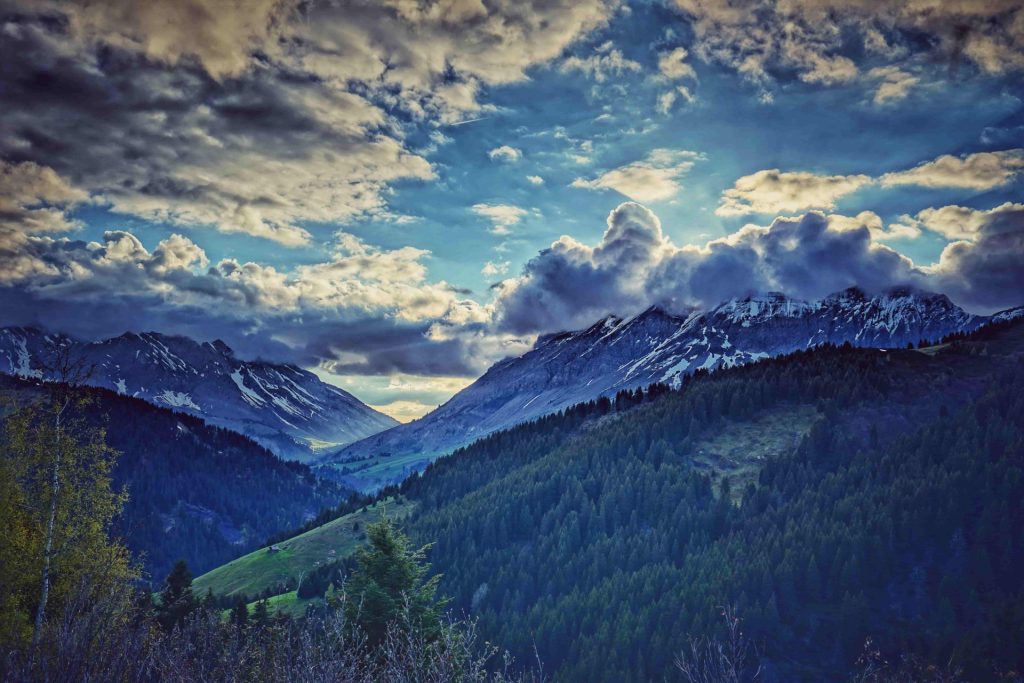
{"type": "Point", "coordinates": [657, 346]}
{"type": "Point", "coordinates": [285, 408]}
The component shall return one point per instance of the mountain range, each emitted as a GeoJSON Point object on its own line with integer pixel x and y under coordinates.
{"type": "Point", "coordinates": [655, 346]}
{"type": "Point", "coordinates": [283, 407]}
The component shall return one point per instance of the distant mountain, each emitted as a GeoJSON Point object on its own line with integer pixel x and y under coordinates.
{"type": "Point", "coordinates": [655, 346]}
{"type": "Point", "coordinates": [195, 491]}
{"type": "Point", "coordinates": [285, 408]}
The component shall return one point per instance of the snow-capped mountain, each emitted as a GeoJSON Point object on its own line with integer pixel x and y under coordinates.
{"type": "Point", "coordinates": [656, 346]}
{"type": "Point", "coordinates": [287, 409]}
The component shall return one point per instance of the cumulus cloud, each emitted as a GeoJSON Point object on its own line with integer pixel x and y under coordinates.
{"type": "Point", "coordinates": [505, 153]}
{"type": "Point", "coordinates": [775, 191]}
{"type": "Point", "coordinates": [570, 284]}
{"type": "Point", "coordinates": [502, 216]}
{"type": "Point", "coordinates": [634, 265]}
{"type": "Point", "coordinates": [765, 40]}
{"type": "Point", "coordinates": [655, 178]}
{"type": "Point", "coordinates": [535, 179]}
{"type": "Point", "coordinates": [364, 309]}
{"type": "Point", "coordinates": [606, 61]}
{"type": "Point", "coordinates": [978, 171]}
{"type": "Point", "coordinates": [986, 269]}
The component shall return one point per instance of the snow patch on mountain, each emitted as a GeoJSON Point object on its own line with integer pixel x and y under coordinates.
{"type": "Point", "coordinates": [655, 345]}
{"type": "Point", "coordinates": [287, 409]}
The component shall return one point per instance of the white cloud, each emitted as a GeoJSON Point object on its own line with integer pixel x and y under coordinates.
{"type": "Point", "coordinates": [959, 222]}
{"type": "Point", "coordinates": [875, 226]}
{"type": "Point", "coordinates": [505, 153]}
{"type": "Point", "coordinates": [775, 191]}
{"type": "Point", "coordinates": [894, 84]}
{"type": "Point", "coordinates": [606, 62]}
{"type": "Point", "coordinates": [535, 179]}
{"type": "Point", "coordinates": [655, 178]}
{"type": "Point", "coordinates": [979, 171]}
{"type": "Point", "coordinates": [672, 65]}
{"type": "Point", "coordinates": [502, 216]}
{"type": "Point", "coordinates": [667, 99]}
{"type": "Point", "coordinates": [491, 268]}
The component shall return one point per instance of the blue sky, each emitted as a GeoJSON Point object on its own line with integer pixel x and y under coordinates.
{"type": "Point", "coordinates": [373, 191]}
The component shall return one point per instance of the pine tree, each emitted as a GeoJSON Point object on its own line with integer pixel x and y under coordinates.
{"type": "Point", "coordinates": [390, 586]}
{"type": "Point", "coordinates": [176, 599]}
{"type": "Point", "coordinates": [261, 614]}
{"type": "Point", "coordinates": [240, 612]}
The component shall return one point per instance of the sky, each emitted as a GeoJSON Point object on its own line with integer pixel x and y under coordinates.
{"type": "Point", "coordinates": [396, 194]}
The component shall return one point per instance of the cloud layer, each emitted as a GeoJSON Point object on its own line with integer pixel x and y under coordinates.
{"type": "Point", "coordinates": [255, 117]}
{"type": "Point", "coordinates": [767, 40]}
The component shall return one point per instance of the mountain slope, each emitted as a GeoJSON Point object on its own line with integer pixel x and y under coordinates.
{"type": "Point", "coordinates": [195, 491]}
{"type": "Point", "coordinates": [654, 346]}
{"type": "Point", "coordinates": [285, 408]}
{"type": "Point", "coordinates": [873, 493]}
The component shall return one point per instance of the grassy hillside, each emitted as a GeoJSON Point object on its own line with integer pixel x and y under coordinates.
{"type": "Point", "coordinates": [259, 570]}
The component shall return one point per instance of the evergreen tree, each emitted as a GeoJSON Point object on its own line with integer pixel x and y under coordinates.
{"type": "Point", "coordinates": [261, 614]}
{"type": "Point", "coordinates": [240, 612]}
{"type": "Point", "coordinates": [176, 599]}
{"type": "Point", "coordinates": [390, 586]}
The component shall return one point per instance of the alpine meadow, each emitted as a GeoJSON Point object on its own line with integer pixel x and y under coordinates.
{"type": "Point", "coordinates": [512, 341]}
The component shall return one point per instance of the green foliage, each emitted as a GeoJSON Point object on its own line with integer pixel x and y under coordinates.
{"type": "Point", "coordinates": [391, 587]}
{"type": "Point", "coordinates": [36, 451]}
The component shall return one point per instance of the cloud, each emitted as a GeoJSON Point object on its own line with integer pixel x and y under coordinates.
{"type": "Point", "coordinates": [362, 310]}
{"type": "Point", "coordinates": [655, 178]}
{"type": "Point", "coordinates": [257, 117]}
{"type": "Point", "coordinates": [978, 171]}
{"type": "Point", "coordinates": [813, 40]}
{"type": "Point", "coordinates": [667, 99]}
{"type": "Point", "coordinates": [986, 270]}
{"type": "Point", "coordinates": [604, 63]}
{"type": "Point", "coordinates": [571, 284]}
{"type": "Point", "coordinates": [673, 66]}
{"type": "Point", "coordinates": [894, 84]}
{"type": "Point", "coordinates": [535, 179]}
{"type": "Point", "coordinates": [491, 268]}
{"type": "Point", "coordinates": [34, 199]}
{"type": "Point", "coordinates": [775, 191]}
{"type": "Point", "coordinates": [506, 154]}
{"type": "Point", "coordinates": [964, 224]}
{"type": "Point", "coordinates": [904, 230]}
{"type": "Point", "coordinates": [503, 216]}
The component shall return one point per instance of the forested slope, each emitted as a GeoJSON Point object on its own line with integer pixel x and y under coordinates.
{"type": "Point", "coordinates": [195, 491]}
{"type": "Point", "coordinates": [830, 496]}
{"type": "Point", "coordinates": [893, 518]}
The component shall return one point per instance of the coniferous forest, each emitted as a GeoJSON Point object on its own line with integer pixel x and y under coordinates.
{"type": "Point", "coordinates": [896, 517]}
